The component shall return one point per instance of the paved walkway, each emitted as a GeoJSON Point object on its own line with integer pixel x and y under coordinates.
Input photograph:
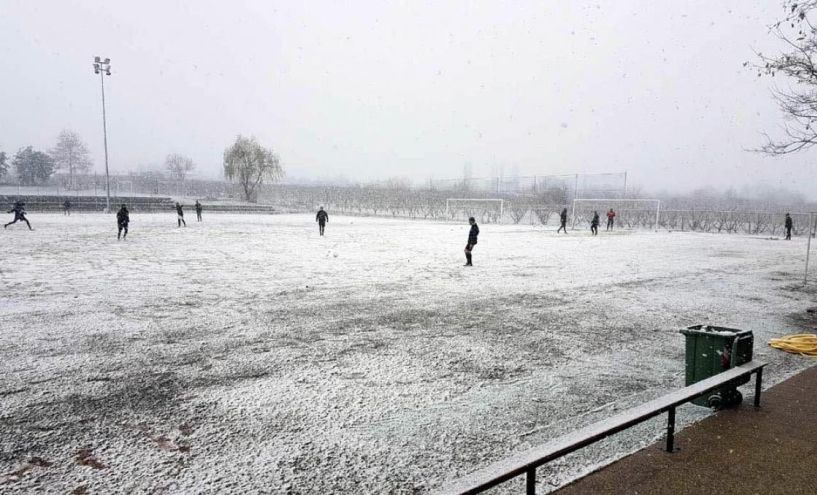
{"type": "Point", "coordinates": [771, 450]}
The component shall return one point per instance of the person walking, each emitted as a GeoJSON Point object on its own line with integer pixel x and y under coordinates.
{"type": "Point", "coordinates": [789, 225]}
{"type": "Point", "coordinates": [66, 207]}
{"type": "Point", "coordinates": [563, 221]}
{"type": "Point", "coordinates": [180, 215]}
{"type": "Point", "coordinates": [19, 210]}
{"type": "Point", "coordinates": [122, 221]}
{"type": "Point", "coordinates": [472, 241]}
{"type": "Point", "coordinates": [322, 218]}
{"type": "Point", "coordinates": [594, 224]}
{"type": "Point", "coordinates": [198, 211]}
{"type": "Point", "coordinates": [611, 218]}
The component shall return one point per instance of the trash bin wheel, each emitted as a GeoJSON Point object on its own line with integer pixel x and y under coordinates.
{"type": "Point", "coordinates": [736, 398]}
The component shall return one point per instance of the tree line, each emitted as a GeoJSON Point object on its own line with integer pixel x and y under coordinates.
{"type": "Point", "coordinates": [245, 162]}
{"type": "Point", "coordinates": [31, 167]}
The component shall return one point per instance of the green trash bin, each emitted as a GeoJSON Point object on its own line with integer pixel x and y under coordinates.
{"type": "Point", "coordinates": [711, 350]}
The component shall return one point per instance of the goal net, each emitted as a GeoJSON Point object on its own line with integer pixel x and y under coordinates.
{"type": "Point", "coordinates": [484, 210]}
{"type": "Point", "coordinates": [630, 213]}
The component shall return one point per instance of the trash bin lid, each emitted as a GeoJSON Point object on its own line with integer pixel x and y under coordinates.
{"type": "Point", "coordinates": [714, 330]}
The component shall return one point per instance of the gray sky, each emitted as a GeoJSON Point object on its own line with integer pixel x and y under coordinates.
{"type": "Point", "coordinates": [414, 89]}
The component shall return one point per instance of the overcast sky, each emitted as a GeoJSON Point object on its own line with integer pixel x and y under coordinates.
{"type": "Point", "coordinates": [414, 89]}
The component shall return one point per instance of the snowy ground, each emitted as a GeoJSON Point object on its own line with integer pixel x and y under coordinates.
{"type": "Point", "coordinates": [246, 354]}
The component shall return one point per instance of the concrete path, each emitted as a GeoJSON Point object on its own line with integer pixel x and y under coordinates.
{"type": "Point", "coordinates": [745, 451]}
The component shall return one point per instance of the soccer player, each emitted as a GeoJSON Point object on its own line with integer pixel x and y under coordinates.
{"type": "Point", "coordinates": [198, 211]}
{"type": "Point", "coordinates": [594, 224]}
{"type": "Point", "coordinates": [66, 208]}
{"type": "Point", "coordinates": [180, 217]}
{"type": "Point", "coordinates": [789, 226]}
{"type": "Point", "coordinates": [19, 210]}
{"type": "Point", "coordinates": [322, 217]}
{"type": "Point", "coordinates": [472, 240]}
{"type": "Point", "coordinates": [122, 221]}
{"type": "Point", "coordinates": [563, 220]}
{"type": "Point", "coordinates": [611, 217]}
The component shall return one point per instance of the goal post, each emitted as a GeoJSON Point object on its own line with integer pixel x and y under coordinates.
{"type": "Point", "coordinates": [452, 205]}
{"type": "Point", "coordinates": [638, 212]}
{"type": "Point", "coordinates": [812, 231]}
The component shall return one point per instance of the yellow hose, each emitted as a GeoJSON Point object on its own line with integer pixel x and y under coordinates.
{"type": "Point", "coordinates": [804, 344]}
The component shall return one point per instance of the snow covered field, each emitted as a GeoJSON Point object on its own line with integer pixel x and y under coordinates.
{"type": "Point", "coordinates": [246, 354]}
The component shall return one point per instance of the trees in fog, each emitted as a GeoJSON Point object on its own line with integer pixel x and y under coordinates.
{"type": "Point", "coordinates": [4, 166]}
{"type": "Point", "coordinates": [179, 166]}
{"type": "Point", "coordinates": [249, 164]}
{"type": "Point", "coordinates": [798, 98]}
{"type": "Point", "coordinates": [71, 155]}
{"type": "Point", "coordinates": [32, 166]}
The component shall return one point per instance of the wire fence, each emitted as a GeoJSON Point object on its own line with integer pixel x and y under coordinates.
{"type": "Point", "coordinates": [149, 193]}
{"type": "Point", "coordinates": [564, 187]}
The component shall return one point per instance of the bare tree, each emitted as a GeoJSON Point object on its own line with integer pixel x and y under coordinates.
{"type": "Point", "coordinates": [249, 163]}
{"type": "Point", "coordinates": [798, 101]}
{"type": "Point", "coordinates": [178, 166]}
{"type": "Point", "coordinates": [71, 155]}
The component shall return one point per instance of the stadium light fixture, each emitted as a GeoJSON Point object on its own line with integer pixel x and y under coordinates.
{"type": "Point", "coordinates": [103, 69]}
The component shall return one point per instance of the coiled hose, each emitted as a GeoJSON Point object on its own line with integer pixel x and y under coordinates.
{"type": "Point", "coordinates": [804, 344]}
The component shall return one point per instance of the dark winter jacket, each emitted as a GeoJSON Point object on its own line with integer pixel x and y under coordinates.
{"type": "Point", "coordinates": [563, 216]}
{"type": "Point", "coordinates": [198, 207]}
{"type": "Point", "coordinates": [322, 216]}
{"type": "Point", "coordinates": [122, 216]}
{"type": "Point", "coordinates": [179, 210]}
{"type": "Point", "coordinates": [595, 221]}
{"type": "Point", "coordinates": [472, 235]}
{"type": "Point", "coordinates": [19, 209]}
{"type": "Point", "coordinates": [789, 223]}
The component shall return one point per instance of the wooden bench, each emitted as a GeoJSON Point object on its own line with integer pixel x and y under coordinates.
{"type": "Point", "coordinates": [527, 462]}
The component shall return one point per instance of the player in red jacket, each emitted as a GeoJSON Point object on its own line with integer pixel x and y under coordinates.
{"type": "Point", "coordinates": [611, 217]}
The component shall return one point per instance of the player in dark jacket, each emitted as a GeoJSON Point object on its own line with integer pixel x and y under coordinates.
{"type": "Point", "coordinates": [594, 224]}
{"type": "Point", "coordinates": [472, 241]}
{"type": "Point", "coordinates": [122, 221]}
{"type": "Point", "coordinates": [611, 218]}
{"type": "Point", "coordinates": [180, 217]}
{"type": "Point", "coordinates": [789, 226]}
{"type": "Point", "coordinates": [198, 211]}
{"type": "Point", "coordinates": [322, 217]}
{"type": "Point", "coordinates": [563, 221]}
{"type": "Point", "coordinates": [19, 210]}
{"type": "Point", "coordinates": [66, 207]}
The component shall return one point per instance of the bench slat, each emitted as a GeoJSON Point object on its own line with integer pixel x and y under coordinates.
{"type": "Point", "coordinates": [515, 465]}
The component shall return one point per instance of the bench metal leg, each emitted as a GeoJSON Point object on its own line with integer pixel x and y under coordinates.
{"type": "Point", "coordinates": [670, 429]}
{"type": "Point", "coordinates": [758, 383]}
{"type": "Point", "coordinates": [531, 482]}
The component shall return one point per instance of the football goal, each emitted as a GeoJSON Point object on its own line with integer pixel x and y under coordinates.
{"type": "Point", "coordinates": [487, 209]}
{"type": "Point", "coordinates": [630, 213]}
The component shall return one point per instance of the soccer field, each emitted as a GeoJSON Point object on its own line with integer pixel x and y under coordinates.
{"type": "Point", "coordinates": [246, 354]}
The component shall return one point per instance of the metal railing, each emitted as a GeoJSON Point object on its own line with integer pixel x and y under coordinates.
{"type": "Point", "coordinates": [526, 462]}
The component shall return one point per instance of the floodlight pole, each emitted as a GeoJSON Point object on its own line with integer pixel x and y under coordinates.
{"type": "Point", "coordinates": [103, 68]}
{"type": "Point", "coordinates": [625, 185]}
{"type": "Point", "coordinates": [812, 227]}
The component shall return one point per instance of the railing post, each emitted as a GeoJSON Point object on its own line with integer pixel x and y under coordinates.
{"type": "Point", "coordinates": [758, 383]}
{"type": "Point", "coordinates": [531, 482]}
{"type": "Point", "coordinates": [670, 429]}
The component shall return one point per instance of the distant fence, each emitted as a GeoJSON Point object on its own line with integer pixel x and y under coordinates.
{"type": "Point", "coordinates": [571, 186]}
{"type": "Point", "coordinates": [136, 204]}
{"type": "Point", "coordinates": [533, 200]}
